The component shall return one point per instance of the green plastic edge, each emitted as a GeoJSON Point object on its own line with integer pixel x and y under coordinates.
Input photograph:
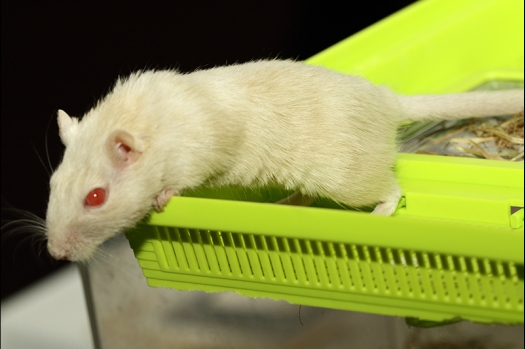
{"type": "Point", "coordinates": [404, 231]}
{"type": "Point", "coordinates": [454, 45]}
{"type": "Point", "coordinates": [325, 299]}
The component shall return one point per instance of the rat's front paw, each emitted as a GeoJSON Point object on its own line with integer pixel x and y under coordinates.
{"type": "Point", "coordinates": [162, 199]}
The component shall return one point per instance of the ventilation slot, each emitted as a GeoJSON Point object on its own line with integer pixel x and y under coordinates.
{"type": "Point", "coordinates": [338, 266]}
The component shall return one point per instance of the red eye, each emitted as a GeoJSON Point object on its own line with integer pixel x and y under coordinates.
{"type": "Point", "coordinates": [96, 197]}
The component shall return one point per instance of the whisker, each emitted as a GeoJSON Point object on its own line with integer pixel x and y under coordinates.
{"type": "Point", "coordinates": [23, 223]}
{"type": "Point", "coordinates": [20, 243]}
{"type": "Point", "coordinates": [42, 248]}
{"type": "Point", "coordinates": [41, 161]}
{"type": "Point", "coordinates": [20, 221]}
{"type": "Point", "coordinates": [22, 213]}
{"type": "Point", "coordinates": [29, 227]}
{"type": "Point", "coordinates": [46, 144]}
{"type": "Point", "coordinates": [35, 240]}
{"type": "Point", "coordinates": [22, 231]}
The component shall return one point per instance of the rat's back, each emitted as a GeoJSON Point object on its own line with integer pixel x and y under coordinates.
{"type": "Point", "coordinates": [307, 128]}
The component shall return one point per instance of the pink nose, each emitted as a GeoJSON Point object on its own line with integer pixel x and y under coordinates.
{"type": "Point", "coordinates": [58, 255]}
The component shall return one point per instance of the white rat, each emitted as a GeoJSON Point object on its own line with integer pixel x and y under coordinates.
{"type": "Point", "coordinates": [158, 133]}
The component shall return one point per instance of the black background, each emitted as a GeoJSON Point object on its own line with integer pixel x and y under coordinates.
{"type": "Point", "coordinates": [66, 55]}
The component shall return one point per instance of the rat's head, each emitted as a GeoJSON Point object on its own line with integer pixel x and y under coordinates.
{"type": "Point", "coordinates": [96, 192]}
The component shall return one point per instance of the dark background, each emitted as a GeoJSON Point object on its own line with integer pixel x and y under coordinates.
{"type": "Point", "coordinates": [66, 54]}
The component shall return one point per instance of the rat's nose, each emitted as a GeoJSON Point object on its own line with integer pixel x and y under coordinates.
{"type": "Point", "coordinates": [58, 255]}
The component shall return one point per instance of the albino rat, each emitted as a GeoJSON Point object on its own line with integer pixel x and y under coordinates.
{"type": "Point", "coordinates": [307, 128]}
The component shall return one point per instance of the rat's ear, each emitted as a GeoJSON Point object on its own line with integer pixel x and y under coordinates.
{"type": "Point", "coordinates": [67, 126]}
{"type": "Point", "coordinates": [123, 149]}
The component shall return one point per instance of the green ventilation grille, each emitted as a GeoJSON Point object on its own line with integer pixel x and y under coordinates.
{"type": "Point", "coordinates": [342, 270]}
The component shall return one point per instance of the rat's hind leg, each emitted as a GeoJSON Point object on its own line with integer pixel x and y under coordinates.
{"type": "Point", "coordinates": [388, 205]}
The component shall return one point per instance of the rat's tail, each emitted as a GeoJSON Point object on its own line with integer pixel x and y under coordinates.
{"type": "Point", "coordinates": [462, 105]}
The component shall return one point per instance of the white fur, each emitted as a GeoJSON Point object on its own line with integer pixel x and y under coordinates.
{"type": "Point", "coordinates": [303, 127]}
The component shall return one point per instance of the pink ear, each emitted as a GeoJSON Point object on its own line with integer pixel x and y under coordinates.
{"type": "Point", "coordinates": [123, 149]}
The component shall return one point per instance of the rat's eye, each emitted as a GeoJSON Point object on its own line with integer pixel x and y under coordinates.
{"type": "Point", "coordinates": [96, 197]}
